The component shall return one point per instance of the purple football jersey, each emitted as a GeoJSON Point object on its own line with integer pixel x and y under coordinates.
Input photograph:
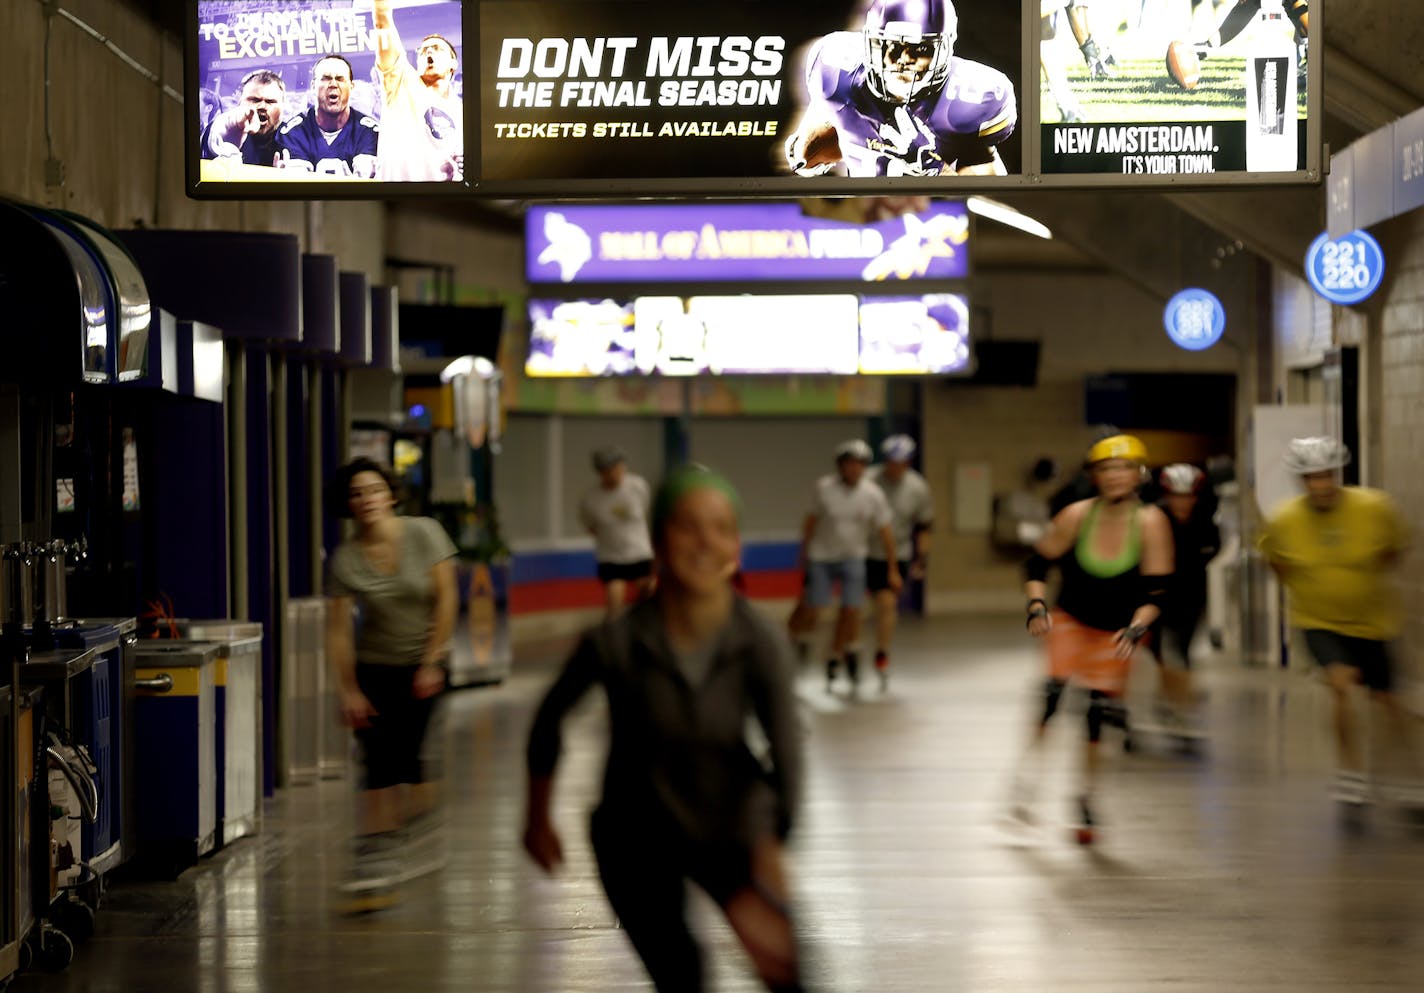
{"type": "Point", "coordinates": [301, 138]}
{"type": "Point", "coordinates": [972, 112]}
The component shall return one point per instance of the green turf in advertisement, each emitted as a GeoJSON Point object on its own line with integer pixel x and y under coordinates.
{"type": "Point", "coordinates": [1173, 87]}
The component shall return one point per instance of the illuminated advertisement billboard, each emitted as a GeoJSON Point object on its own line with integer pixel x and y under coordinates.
{"type": "Point", "coordinates": [367, 99]}
{"type": "Point", "coordinates": [656, 91]}
{"type": "Point", "coordinates": [811, 334]}
{"type": "Point", "coordinates": [310, 93]}
{"type": "Point", "coordinates": [649, 243]}
{"type": "Point", "coordinates": [1175, 90]}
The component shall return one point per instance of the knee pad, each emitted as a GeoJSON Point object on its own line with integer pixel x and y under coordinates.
{"type": "Point", "coordinates": [1104, 710]}
{"type": "Point", "coordinates": [1099, 713]}
{"type": "Point", "coordinates": [1095, 718]}
{"type": "Point", "coordinates": [1052, 695]}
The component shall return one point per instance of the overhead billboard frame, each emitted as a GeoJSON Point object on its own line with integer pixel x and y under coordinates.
{"type": "Point", "coordinates": [385, 123]}
{"type": "Point", "coordinates": [749, 71]}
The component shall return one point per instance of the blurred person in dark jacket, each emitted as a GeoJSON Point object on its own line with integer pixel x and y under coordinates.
{"type": "Point", "coordinates": [1196, 540]}
{"type": "Point", "coordinates": [684, 796]}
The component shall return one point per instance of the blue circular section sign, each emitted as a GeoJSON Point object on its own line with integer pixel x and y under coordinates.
{"type": "Point", "coordinates": [1345, 270]}
{"type": "Point", "coordinates": [1195, 319]}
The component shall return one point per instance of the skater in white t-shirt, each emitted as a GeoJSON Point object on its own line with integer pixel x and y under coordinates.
{"type": "Point", "coordinates": [912, 514]}
{"type": "Point", "coordinates": [848, 512]}
{"type": "Point", "coordinates": [615, 512]}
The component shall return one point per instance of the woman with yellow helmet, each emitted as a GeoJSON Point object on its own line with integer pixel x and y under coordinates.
{"type": "Point", "coordinates": [1114, 556]}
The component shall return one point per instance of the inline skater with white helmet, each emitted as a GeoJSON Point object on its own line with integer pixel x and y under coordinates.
{"type": "Point", "coordinates": [912, 510]}
{"type": "Point", "coordinates": [847, 513]}
{"type": "Point", "coordinates": [1335, 548]}
{"type": "Point", "coordinates": [1196, 540]}
{"type": "Point", "coordinates": [615, 512]}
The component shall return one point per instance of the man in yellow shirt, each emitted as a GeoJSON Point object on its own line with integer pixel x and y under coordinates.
{"type": "Point", "coordinates": [1335, 548]}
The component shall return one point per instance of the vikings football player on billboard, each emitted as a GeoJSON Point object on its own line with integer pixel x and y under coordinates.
{"type": "Point", "coordinates": [894, 100]}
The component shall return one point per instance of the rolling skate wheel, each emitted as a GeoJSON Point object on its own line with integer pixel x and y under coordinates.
{"type": "Point", "coordinates": [1084, 835]}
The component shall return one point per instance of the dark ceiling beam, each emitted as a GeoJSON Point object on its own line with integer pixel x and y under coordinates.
{"type": "Point", "coordinates": [1360, 96]}
{"type": "Point", "coordinates": [1277, 224]}
{"type": "Point", "coordinates": [1143, 237]}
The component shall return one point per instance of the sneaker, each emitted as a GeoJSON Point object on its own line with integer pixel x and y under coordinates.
{"type": "Point", "coordinates": [1351, 788]}
{"type": "Point", "coordinates": [376, 868]}
{"type": "Point", "coordinates": [1021, 799]}
{"type": "Point", "coordinates": [423, 848]}
{"type": "Point", "coordinates": [831, 666]}
{"type": "Point", "coordinates": [882, 669]}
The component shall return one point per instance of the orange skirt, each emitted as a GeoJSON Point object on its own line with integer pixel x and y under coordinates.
{"type": "Point", "coordinates": [1085, 656]}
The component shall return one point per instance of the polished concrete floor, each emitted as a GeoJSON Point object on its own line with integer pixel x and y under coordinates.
{"type": "Point", "coordinates": [1231, 871]}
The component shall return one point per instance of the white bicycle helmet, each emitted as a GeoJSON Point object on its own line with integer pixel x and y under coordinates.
{"type": "Point", "coordinates": [855, 449]}
{"type": "Point", "coordinates": [898, 448]}
{"type": "Point", "coordinates": [1305, 456]}
{"type": "Point", "coordinates": [607, 457]}
{"type": "Point", "coordinates": [1182, 479]}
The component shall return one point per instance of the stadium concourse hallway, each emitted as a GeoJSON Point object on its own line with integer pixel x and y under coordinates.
{"type": "Point", "coordinates": [1231, 872]}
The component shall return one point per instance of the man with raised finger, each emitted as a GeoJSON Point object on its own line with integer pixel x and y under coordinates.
{"type": "Point", "coordinates": [248, 131]}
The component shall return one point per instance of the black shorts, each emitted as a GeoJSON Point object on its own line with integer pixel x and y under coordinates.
{"type": "Point", "coordinates": [391, 746]}
{"type": "Point", "coordinates": [877, 574]}
{"type": "Point", "coordinates": [1368, 656]}
{"type": "Point", "coordinates": [628, 572]}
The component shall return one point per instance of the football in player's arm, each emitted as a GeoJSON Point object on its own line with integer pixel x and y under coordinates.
{"type": "Point", "coordinates": [894, 100]}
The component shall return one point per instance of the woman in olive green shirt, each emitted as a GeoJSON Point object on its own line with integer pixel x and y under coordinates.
{"type": "Point", "coordinates": [399, 572]}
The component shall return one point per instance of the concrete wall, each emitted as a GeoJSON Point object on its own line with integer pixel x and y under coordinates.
{"type": "Point", "coordinates": [1398, 320]}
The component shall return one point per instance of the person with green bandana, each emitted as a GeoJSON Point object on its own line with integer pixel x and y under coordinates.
{"type": "Point", "coordinates": [1114, 555]}
{"type": "Point", "coordinates": [684, 796]}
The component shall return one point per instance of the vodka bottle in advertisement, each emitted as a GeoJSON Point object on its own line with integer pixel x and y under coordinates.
{"type": "Point", "coordinates": [1271, 125]}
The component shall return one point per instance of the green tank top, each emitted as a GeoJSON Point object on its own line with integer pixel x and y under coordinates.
{"type": "Point", "coordinates": [1125, 561]}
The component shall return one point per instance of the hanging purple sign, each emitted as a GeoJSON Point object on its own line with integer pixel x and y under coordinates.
{"type": "Point", "coordinates": [740, 242]}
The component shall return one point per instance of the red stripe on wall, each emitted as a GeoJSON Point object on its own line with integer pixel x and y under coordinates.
{"type": "Point", "coordinates": [781, 585]}
{"type": "Point", "coordinates": [578, 594]}
{"type": "Point", "coordinates": [555, 594]}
